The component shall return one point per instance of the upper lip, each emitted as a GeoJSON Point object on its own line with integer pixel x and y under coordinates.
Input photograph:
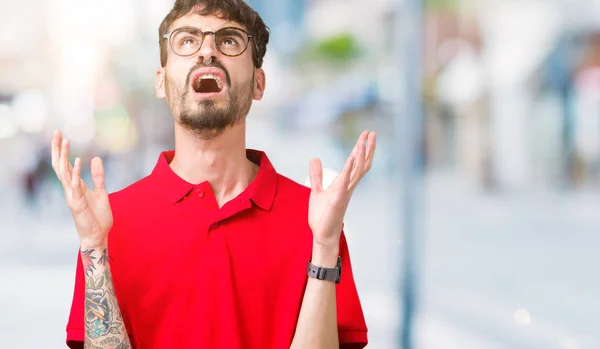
{"type": "Point", "coordinates": [202, 71]}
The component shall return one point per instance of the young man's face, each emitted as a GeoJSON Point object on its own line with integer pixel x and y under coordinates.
{"type": "Point", "coordinates": [209, 91]}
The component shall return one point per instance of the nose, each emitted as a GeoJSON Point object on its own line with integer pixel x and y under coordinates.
{"type": "Point", "coordinates": [208, 50]}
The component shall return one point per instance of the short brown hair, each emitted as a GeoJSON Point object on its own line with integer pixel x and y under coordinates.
{"type": "Point", "coordinates": [229, 10]}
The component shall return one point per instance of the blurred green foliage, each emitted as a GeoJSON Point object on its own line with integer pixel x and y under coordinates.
{"type": "Point", "coordinates": [338, 48]}
{"type": "Point", "coordinates": [441, 4]}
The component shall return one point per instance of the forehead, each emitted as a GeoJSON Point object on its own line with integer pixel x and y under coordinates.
{"type": "Point", "coordinates": [204, 23]}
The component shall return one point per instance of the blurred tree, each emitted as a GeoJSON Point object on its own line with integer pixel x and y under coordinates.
{"type": "Point", "coordinates": [441, 4]}
{"type": "Point", "coordinates": [339, 47]}
{"type": "Point", "coordinates": [335, 49]}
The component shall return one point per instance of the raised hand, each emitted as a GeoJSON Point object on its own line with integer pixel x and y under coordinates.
{"type": "Point", "coordinates": [90, 208]}
{"type": "Point", "coordinates": [326, 208]}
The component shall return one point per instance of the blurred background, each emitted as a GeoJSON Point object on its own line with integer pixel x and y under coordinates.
{"type": "Point", "coordinates": [503, 227]}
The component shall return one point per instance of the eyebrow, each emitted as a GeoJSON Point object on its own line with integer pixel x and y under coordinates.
{"type": "Point", "coordinates": [188, 27]}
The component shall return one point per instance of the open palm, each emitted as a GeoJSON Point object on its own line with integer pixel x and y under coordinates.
{"type": "Point", "coordinates": [90, 208]}
{"type": "Point", "coordinates": [327, 207]}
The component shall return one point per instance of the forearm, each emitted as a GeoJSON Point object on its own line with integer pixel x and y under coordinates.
{"type": "Point", "coordinates": [104, 327]}
{"type": "Point", "coordinates": [317, 323]}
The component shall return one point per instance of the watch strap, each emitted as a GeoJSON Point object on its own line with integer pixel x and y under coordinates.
{"type": "Point", "coordinates": [322, 273]}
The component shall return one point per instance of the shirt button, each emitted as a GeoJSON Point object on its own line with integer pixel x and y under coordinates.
{"type": "Point", "coordinates": [214, 226]}
{"type": "Point", "coordinates": [201, 194]}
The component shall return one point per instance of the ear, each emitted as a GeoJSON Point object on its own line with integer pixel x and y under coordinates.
{"type": "Point", "coordinates": [260, 83]}
{"type": "Point", "coordinates": [159, 83]}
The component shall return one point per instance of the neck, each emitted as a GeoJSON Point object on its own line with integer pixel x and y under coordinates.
{"type": "Point", "coordinates": [221, 161]}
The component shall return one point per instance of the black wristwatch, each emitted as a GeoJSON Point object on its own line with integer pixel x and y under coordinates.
{"type": "Point", "coordinates": [329, 274]}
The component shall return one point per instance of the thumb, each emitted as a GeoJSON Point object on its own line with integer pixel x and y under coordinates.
{"type": "Point", "coordinates": [98, 174]}
{"type": "Point", "coordinates": [316, 175]}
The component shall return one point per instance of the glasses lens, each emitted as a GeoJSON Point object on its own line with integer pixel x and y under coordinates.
{"type": "Point", "coordinates": [231, 41]}
{"type": "Point", "coordinates": [186, 41]}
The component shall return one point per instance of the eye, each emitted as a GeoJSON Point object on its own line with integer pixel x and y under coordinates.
{"type": "Point", "coordinates": [229, 41]}
{"type": "Point", "coordinates": [188, 41]}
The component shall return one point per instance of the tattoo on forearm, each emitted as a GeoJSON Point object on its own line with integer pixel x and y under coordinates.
{"type": "Point", "coordinates": [114, 341]}
{"type": "Point", "coordinates": [104, 327]}
{"type": "Point", "coordinates": [88, 262]}
{"type": "Point", "coordinates": [104, 259]}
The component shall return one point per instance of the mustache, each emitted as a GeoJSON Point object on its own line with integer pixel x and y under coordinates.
{"type": "Point", "coordinates": [213, 64]}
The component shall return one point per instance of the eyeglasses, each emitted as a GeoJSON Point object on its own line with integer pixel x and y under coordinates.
{"type": "Point", "coordinates": [187, 41]}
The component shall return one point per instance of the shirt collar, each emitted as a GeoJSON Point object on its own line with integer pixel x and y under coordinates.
{"type": "Point", "coordinates": [261, 191]}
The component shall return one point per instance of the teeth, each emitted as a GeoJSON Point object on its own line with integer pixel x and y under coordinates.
{"type": "Point", "coordinates": [212, 76]}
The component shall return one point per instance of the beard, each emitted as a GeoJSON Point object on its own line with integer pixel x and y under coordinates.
{"type": "Point", "coordinates": [209, 118]}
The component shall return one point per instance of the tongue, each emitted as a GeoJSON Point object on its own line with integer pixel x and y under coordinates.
{"type": "Point", "coordinates": [208, 85]}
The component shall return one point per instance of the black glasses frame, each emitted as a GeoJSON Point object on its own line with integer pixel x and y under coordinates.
{"type": "Point", "coordinates": [168, 36]}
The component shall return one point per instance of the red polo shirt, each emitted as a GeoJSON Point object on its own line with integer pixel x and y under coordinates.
{"type": "Point", "coordinates": [188, 274]}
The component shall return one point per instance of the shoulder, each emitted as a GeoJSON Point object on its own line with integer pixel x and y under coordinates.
{"type": "Point", "coordinates": [287, 187]}
{"type": "Point", "coordinates": [133, 199]}
{"type": "Point", "coordinates": [131, 207]}
{"type": "Point", "coordinates": [291, 199]}
{"type": "Point", "coordinates": [133, 192]}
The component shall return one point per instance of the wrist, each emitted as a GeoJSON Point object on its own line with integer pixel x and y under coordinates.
{"type": "Point", "coordinates": [325, 256]}
{"type": "Point", "coordinates": [98, 245]}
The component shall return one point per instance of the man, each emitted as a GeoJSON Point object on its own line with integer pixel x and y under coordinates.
{"type": "Point", "coordinates": [213, 249]}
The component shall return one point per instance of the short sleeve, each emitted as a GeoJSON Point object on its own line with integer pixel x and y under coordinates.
{"type": "Point", "coordinates": [75, 328]}
{"type": "Point", "coordinates": [352, 329]}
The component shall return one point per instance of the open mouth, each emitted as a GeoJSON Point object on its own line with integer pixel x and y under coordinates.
{"type": "Point", "coordinates": [208, 83]}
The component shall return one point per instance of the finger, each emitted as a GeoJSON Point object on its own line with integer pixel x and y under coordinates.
{"type": "Point", "coordinates": [98, 174]}
{"type": "Point", "coordinates": [76, 189]}
{"type": "Point", "coordinates": [371, 145]}
{"type": "Point", "coordinates": [355, 149]}
{"type": "Point", "coordinates": [360, 144]}
{"type": "Point", "coordinates": [346, 173]}
{"type": "Point", "coordinates": [55, 147]}
{"type": "Point", "coordinates": [315, 171]}
{"type": "Point", "coordinates": [84, 186]}
{"type": "Point", "coordinates": [341, 181]}
{"type": "Point", "coordinates": [358, 168]}
{"type": "Point", "coordinates": [65, 166]}
{"type": "Point", "coordinates": [357, 171]}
